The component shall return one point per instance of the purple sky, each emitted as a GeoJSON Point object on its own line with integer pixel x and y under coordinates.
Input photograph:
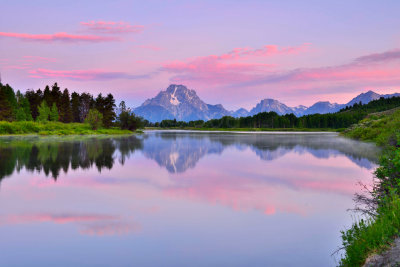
{"type": "Point", "coordinates": [231, 52]}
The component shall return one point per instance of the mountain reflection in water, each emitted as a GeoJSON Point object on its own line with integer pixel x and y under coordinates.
{"type": "Point", "coordinates": [176, 151]}
{"type": "Point", "coordinates": [191, 198]}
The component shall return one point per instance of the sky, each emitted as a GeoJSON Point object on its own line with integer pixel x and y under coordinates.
{"type": "Point", "coordinates": [231, 52]}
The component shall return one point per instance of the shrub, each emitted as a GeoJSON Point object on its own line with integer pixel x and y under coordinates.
{"type": "Point", "coordinates": [44, 112]}
{"type": "Point", "coordinates": [129, 121]}
{"type": "Point", "coordinates": [94, 118]}
{"type": "Point", "coordinates": [54, 113]}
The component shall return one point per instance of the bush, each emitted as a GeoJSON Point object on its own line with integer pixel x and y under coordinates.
{"type": "Point", "coordinates": [129, 121]}
{"type": "Point", "coordinates": [94, 118]}
{"type": "Point", "coordinates": [373, 234]}
{"type": "Point", "coordinates": [44, 112]}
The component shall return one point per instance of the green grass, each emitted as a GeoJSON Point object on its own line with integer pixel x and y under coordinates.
{"type": "Point", "coordinates": [250, 129]}
{"type": "Point", "coordinates": [377, 127]}
{"type": "Point", "coordinates": [369, 236]}
{"type": "Point", "coordinates": [53, 128]}
{"type": "Point", "coordinates": [375, 234]}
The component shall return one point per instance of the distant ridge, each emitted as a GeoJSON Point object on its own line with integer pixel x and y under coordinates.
{"type": "Point", "coordinates": [180, 103]}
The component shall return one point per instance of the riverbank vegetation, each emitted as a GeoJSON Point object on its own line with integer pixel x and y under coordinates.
{"type": "Point", "coordinates": [381, 204]}
{"type": "Point", "coordinates": [53, 111]}
{"type": "Point", "coordinates": [54, 128]}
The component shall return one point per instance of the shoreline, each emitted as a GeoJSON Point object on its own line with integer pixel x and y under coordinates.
{"type": "Point", "coordinates": [241, 132]}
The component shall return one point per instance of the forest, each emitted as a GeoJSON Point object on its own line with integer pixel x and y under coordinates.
{"type": "Point", "coordinates": [56, 105]}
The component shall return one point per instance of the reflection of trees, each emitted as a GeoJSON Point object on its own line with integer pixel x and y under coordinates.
{"type": "Point", "coordinates": [179, 151]}
{"type": "Point", "coordinates": [51, 155]}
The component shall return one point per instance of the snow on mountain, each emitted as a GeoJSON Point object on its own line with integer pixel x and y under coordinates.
{"type": "Point", "coordinates": [241, 112]}
{"type": "Point", "coordinates": [268, 105]}
{"type": "Point", "coordinates": [180, 103]}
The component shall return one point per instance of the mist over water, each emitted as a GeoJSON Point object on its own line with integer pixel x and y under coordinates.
{"type": "Point", "coordinates": [169, 198]}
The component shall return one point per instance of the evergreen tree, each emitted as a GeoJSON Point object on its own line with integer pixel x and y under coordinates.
{"type": "Point", "coordinates": [65, 107]}
{"type": "Point", "coordinates": [47, 96]}
{"type": "Point", "coordinates": [99, 103]}
{"type": "Point", "coordinates": [86, 102]}
{"type": "Point", "coordinates": [54, 113]}
{"type": "Point", "coordinates": [6, 110]}
{"type": "Point", "coordinates": [34, 98]}
{"type": "Point", "coordinates": [23, 111]}
{"type": "Point", "coordinates": [56, 95]}
{"type": "Point", "coordinates": [75, 107]}
{"type": "Point", "coordinates": [108, 112]}
{"type": "Point", "coordinates": [44, 112]}
{"type": "Point", "coordinates": [11, 99]}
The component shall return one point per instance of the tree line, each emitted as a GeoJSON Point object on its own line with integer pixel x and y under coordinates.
{"type": "Point", "coordinates": [341, 119]}
{"type": "Point", "coordinates": [54, 104]}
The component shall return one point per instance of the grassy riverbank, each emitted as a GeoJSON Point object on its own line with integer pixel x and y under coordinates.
{"type": "Point", "coordinates": [54, 128]}
{"type": "Point", "coordinates": [377, 232]}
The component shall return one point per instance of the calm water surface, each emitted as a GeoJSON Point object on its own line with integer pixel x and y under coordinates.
{"type": "Point", "coordinates": [178, 199]}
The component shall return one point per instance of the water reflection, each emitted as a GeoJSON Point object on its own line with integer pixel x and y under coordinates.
{"type": "Point", "coordinates": [177, 152]}
{"type": "Point", "coordinates": [180, 196]}
{"type": "Point", "coordinates": [180, 151]}
{"type": "Point", "coordinates": [51, 155]}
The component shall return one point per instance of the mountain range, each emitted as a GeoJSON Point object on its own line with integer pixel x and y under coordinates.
{"type": "Point", "coordinates": [180, 103]}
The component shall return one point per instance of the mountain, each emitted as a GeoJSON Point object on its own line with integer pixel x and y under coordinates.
{"type": "Point", "coordinates": [299, 110]}
{"type": "Point", "coordinates": [241, 112]}
{"type": "Point", "coordinates": [323, 107]}
{"type": "Point", "coordinates": [268, 105]}
{"type": "Point", "coordinates": [180, 103]}
{"type": "Point", "coordinates": [369, 96]}
{"type": "Point", "coordinates": [364, 98]}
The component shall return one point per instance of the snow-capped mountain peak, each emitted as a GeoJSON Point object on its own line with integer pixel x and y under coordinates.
{"type": "Point", "coordinates": [179, 102]}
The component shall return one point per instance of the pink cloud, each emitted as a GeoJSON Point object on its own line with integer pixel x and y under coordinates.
{"type": "Point", "coordinates": [358, 71]}
{"type": "Point", "coordinates": [112, 27]}
{"type": "Point", "coordinates": [61, 37]}
{"type": "Point", "coordinates": [57, 218]}
{"type": "Point", "coordinates": [229, 67]}
{"type": "Point", "coordinates": [241, 68]}
{"type": "Point", "coordinates": [265, 51]}
{"type": "Point", "coordinates": [83, 75]}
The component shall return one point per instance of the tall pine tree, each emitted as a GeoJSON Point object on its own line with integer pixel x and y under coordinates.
{"type": "Point", "coordinates": [65, 107]}
{"type": "Point", "coordinates": [75, 107]}
{"type": "Point", "coordinates": [108, 112]}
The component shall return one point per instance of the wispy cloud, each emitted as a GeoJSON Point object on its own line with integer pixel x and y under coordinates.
{"type": "Point", "coordinates": [235, 69]}
{"type": "Point", "coordinates": [84, 75]}
{"type": "Point", "coordinates": [56, 218]}
{"type": "Point", "coordinates": [379, 57]}
{"type": "Point", "coordinates": [373, 68]}
{"type": "Point", "coordinates": [112, 27]}
{"type": "Point", "coordinates": [58, 37]}
{"type": "Point", "coordinates": [235, 66]}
